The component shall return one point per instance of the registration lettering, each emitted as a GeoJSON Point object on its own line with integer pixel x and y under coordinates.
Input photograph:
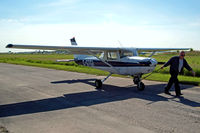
{"type": "Point", "coordinates": [88, 62]}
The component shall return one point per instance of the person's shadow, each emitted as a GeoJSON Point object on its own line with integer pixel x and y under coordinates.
{"type": "Point", "coordinates": [109, 93]}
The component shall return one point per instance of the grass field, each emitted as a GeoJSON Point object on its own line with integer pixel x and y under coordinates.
{"type": "Point", "coordinates": [193, 59]}
{"type": "Point", "coordinates": [49, 61]}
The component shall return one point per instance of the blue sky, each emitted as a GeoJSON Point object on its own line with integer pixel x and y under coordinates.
{"type": "Point", "coordinates": [136, 23]}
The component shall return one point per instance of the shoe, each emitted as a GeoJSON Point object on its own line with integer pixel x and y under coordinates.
{"type": "Point", "coordinates": [178, 95]}
{"type": "Point", "coordinates": [167, 92]}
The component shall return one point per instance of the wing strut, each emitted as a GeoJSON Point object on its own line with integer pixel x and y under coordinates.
{"type": "Point", "coordinates": [152, 53]}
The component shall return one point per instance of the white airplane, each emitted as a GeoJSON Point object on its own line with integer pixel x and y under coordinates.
{"type": "Point", "coordinates": [115, 60]}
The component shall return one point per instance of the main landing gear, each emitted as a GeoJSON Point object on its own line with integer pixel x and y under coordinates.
{"type": "Point", "coordinates": [138, 82]}
{"type": "Point", "coordinates": [98, 82]}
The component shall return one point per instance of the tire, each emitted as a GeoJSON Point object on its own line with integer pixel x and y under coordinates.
{"type": "Point", "coordinates": [98, 84]}
{"type": "Point", "coordinates": [136, 80]}
{"type": "Point", "coordinates": [140, 86]}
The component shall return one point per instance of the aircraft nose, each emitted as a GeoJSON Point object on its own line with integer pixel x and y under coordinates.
{"type": "Point", "coordinates": [153, 62]}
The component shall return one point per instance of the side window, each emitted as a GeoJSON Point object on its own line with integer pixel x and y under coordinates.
{"type": "Point", "coordinates": [128, 54]}
{"type": "Point", "coordinates": [125, 54]}
{"type": "Point", "coordinates": [112, 55]}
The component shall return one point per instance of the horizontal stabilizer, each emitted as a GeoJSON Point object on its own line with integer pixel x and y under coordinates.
{"type": "Point", "coordinates": [64, 60]}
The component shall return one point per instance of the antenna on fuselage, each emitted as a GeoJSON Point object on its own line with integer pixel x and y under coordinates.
{"type": "Point", "coordinates": [120, 43]}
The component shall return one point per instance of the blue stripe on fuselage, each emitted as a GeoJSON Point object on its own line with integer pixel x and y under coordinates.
{"type": "Point", "coordinates": [98, 63]}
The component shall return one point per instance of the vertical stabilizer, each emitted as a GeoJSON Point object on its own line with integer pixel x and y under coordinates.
{"type": "Point", "coordinates": [77, 56]}
{"type": "Point", "coordinates": [73, 41]}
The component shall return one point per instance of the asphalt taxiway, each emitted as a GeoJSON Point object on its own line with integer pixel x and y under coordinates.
{"type": "Point", "coordinates": [36, 99]}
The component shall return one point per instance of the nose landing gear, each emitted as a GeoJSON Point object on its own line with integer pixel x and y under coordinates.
{"type": "Point", "coordinates": [138, 82]}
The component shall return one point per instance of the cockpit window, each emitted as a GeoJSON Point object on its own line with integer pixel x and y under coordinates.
{"type": "Point", "coordinates": [112, 55]}
{"type": "Point", "coordinates": [125, 53]}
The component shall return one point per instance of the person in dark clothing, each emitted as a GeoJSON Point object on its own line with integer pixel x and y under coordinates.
{"type": "Point", "coordinates": [177, 63]}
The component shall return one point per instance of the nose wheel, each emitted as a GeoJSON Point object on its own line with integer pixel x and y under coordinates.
{"type": "Point", "coordinates": [140, 86]}
{"type": "Point", "coordinates": [139, 83]}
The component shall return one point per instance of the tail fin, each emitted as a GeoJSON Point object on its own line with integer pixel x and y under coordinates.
{"type": "Point", "coordinates": [73, 41]}
{"type": "Point", "coordinates": [77, 56]}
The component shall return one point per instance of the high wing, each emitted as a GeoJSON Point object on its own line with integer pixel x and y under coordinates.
{"type": "Point", "coordinates": [159, 49]}
{"type": "Point", "coordinates": [89, 50]}
{"type": "Point", "coordinates": [71, 49]}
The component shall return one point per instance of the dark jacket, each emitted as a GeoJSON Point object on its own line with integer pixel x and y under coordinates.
{"type": "Point", "coordinates": [174, 64]}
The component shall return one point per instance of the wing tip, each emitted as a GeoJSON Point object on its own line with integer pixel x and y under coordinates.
{"type": "Point", "coordinates": [9, 46]}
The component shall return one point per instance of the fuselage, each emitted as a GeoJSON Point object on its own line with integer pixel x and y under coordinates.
{"type": "Point", "coordinates": [129, 65]}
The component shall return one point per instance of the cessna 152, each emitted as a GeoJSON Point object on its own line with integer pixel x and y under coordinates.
{"type": "Point", "coordinates": [115, 60]}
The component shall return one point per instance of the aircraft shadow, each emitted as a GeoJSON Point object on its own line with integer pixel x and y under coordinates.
{"type": "Point", "coordinates": [109, 93]}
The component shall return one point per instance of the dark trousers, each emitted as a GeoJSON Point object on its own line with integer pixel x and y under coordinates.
{"type": "Point", "coordinates": [174, 80]}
